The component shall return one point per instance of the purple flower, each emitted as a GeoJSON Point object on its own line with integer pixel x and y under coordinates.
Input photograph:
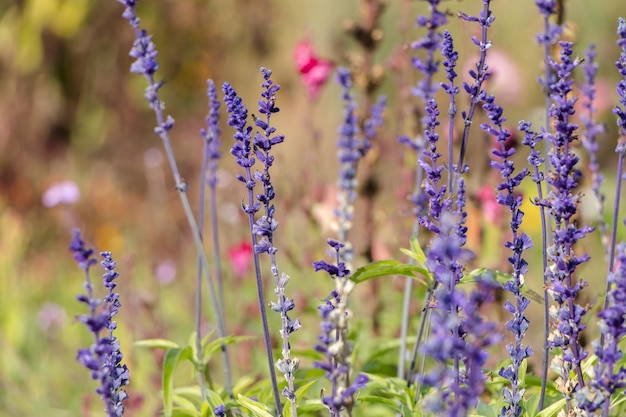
{"type": "Point", "coordinates": [609, 379]}
{"type": "Point", "coordinates": [509, 197]}
{"type": "Point", "coordinates": [103, 358]}
{"type": "Point", "coordinates": [429, 66]}
{"type": "Point", "coordinates": [562, 203]}
{"type": "Point", "coordinates": [620, 111]}
{"type": "Point", "coordinates": [211, 134]}
{"type": "Point", "coordinates": [592, 129]}
{"type": "Point", "coordinates": [353, 145]}
{"type": "Point", "coordinates": [480, 75]}
{"type": "Point", "coordinates": [333, 340]}
{"type": "Point", "coordinates": [428, 161]}
{"type": "Point", "coordinates": [460, 335]}
{"type": "Point", "coordinates": [220, 411]}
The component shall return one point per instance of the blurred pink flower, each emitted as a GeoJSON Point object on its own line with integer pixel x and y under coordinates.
{"type": "Point", "coordinates": [240, 258]}
{"type": "Point", "coordinates": [314, 70]}
{"type": "Point", "coordinates": [492, 211]}
{"type": "Point", "coordinates": [65, 192]}
{"type": "Point", "coordinates": [165, 272]}
{"type": "Point", "coordinates": [506, 80]}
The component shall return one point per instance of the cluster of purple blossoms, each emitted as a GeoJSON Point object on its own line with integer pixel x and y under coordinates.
{"type": "Point", "coordinates": [509, 197]}
{"type": "Point", "coordinates": [480, 75]}
{"type": "Point", "coordinates": [608, 379]}
{"type": "Point", "coordinates": [262, 230]}
{"type": "Point", "coordinates": [144, 51]}
{"type": "Point", "coordinates": [592, 129]}
{"type": "Point", "coordinates": [103, 358]}
{"type": "Point", "coordinates": [562, 202]}
{"type": "Point", "coordinates": [428, 66]}
{"type": "Point", "coordinates": [211, 134]}
{"type": "Point", "coordinates": [333, 341]}
{"type": "Point", "coordinates": [352, 148]}
{"type": "Point", "coordinates": [460, 335]}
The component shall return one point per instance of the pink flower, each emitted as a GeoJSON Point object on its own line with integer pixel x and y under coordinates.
{"type": "Point", "coordinates": [492, 211]}
{"type": "Point", "coordinates": [240, 258]}
{"type": "Point", "coordinates": [65, 192]}
{"type": "Point", "coordinates": [314, 70]}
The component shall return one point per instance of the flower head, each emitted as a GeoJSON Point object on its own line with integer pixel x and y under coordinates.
{"type": "Point", "coordinates": [103, 358]}
{"type": "Point", "coordinates": [314, 71]}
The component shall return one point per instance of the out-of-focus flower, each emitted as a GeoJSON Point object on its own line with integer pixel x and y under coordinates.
{"type": "Point", "coordinates": [51, 317]}
{"type": "Point", "coordinates": [65, 192]}
{"type": "Point", "coordinates": [505, 79]}
{"type": "Point", "coordinates": [313, 69]}
{"type": "Point", "coordinates": [240, 258]}
{"type": "Point", "coordinates": [165, 272]}
{"type": "Point", "coordinates": [492, 211]}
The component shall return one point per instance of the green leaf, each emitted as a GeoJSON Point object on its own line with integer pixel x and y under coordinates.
{"type": "Point", "coordinates": [210, 348]}
{"type": "Point", "coordinates": [389, 267]}
{"type": "Point", "coordinates": [376, 399]}
{"type": "Point", "coordinates": [257, 409]}
{"type": "Point", "coordinates": [420, 256]}
{"type": "Point", "coordinates": [183, 412]}
{"type": "Point", "coordinates": [157, 344]}
{"type": "Point", "coordinates": [485, 410]}
{"type": "Point", "coordinates": [172, 357]}
{"type": "Point", "coordinates": [553, 409]}
{"type": "Point", "coordinates": [531, 405]}
{"type": "Point", "coordinates": [499, 278]}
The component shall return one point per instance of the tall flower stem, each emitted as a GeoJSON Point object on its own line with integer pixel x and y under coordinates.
{"type": "Point", "coordinates": [547, 39]}
{"type": "Point", "coordinates": [425, 90]}
{"type": "Point", "coordinates": [146, 64]}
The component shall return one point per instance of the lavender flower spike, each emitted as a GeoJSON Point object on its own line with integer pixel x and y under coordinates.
{"type": "Point", "coordinates": [507, 196]}
{"type": "Point", "coordinates": [352, 147]}
{"type": "Point", "coordinates": [266, 226]}
{"type": "Point", "coordinates": [562, 202]}
{"type": "Point", "coordinates": [589, 137]}
{"type": "Point", "coordinates": [103, 357]}
{"type": "Point", "coordinates": [609, 379]}
{"type": "Point", "coordinates": [333, 341]}
{"type": "Point", "coordinates": [262, 230]}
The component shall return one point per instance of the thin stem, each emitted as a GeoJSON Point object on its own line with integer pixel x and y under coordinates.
{"type": "Point", "coordinates": [616, 203]}
{"type": "Point", "coordinates": [261, 299]}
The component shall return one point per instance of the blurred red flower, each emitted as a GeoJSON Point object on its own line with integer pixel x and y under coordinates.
{"type": "Point", "coordinates": [313, 69]}
{"type": "Point", "coordinates": [240, 258]}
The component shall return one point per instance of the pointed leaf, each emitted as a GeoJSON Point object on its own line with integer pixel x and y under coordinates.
{"type": "Point", "coordinates": [256, 408]}
{"type": "Point", "coordinates": [156, 343]}
{"type": "Point", "coordinates": [172, 357]}
{"type": "Point", "coordinates": [389, 267]}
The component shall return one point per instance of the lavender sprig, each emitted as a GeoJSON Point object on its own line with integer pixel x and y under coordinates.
{"type": "Point", "coordinates": [562, 202]}
{"type": "Point", "coordinates": [211, 156]}
{"type": "Point", "coordinates": [508, 197]}
{"type": "Point", "coordinates": [144, 51]}
{"type": "Point", "coordinates": [351, 150]}
{"type": "Point", "coordinates": [460, 336]}
{"type": "Point", "coordinates": [333, 341]}
{"type": "Point", "coordinates": [242, 151]}
{"type": "Point", "coordinates": [620, 112]}
{"type": "Point", "coordinates": [608, 379]}
{"type": "Point", "coordinates": [589, 137]}
{"type": "Point", "coordinates": [103, 357]}
{"type": "Point", "coordinates": [265, 227]}
{"type": "Point", "coordinates": [480, 75]}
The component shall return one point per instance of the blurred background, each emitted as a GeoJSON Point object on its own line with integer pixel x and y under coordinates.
{"type": "Point", "coordinates": [70, 111]}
